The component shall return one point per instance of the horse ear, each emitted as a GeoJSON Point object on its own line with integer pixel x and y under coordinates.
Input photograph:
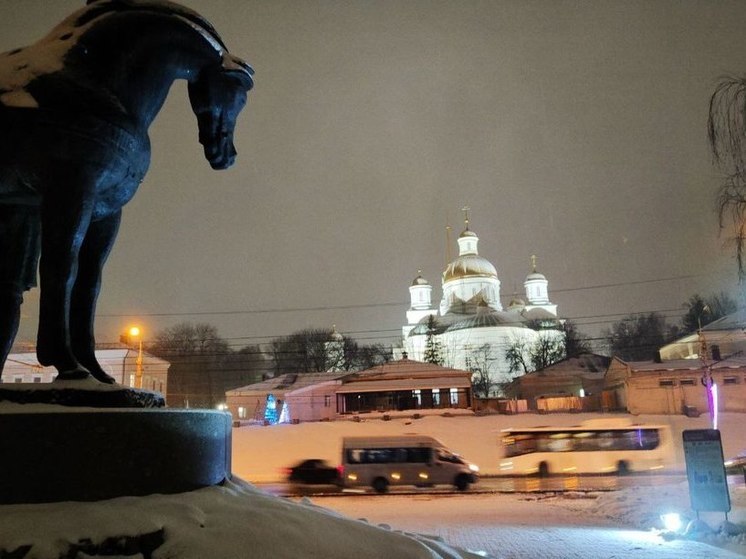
{"type": "Point", "coordinates": [237, 69]}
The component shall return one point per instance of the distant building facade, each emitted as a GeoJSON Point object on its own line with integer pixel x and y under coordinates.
{"type": "Point", "coordinates": [581, 377]}
{"type": "Point", "coordinates": [394, 386]}
{"type": "Point", "coordinates": [470, 326]}
{"type": "Point", "coordinates": [673, 387]}
{"type": "Point", "coordinates": [121, 364]}
{"type": "Point", "coordinates": [720, 339]}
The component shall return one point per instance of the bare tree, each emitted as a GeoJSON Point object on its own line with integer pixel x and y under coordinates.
{"type": "Point", "coordinates": [203, 367]}
{"type": "Point", "coordinates": [318, 349]}
{"type": "Point", "coordinates": [546, 350]}
{"type": "Point", "coordinates": [726, 128]}
{"type": "Point", "coordinates": [186, 338]}
{"type": "Point", "coordinates": [517, 356]}
{"type": "Point", "coordinates": [575, 341]}
{"type": "Point", "coordinates": [703, 310]}
{"type": "Point", "coordinates": [523, 356]}
{"type": "Point", "coordinates": [481, 362]}
{"type": "Point", "coordinates": [637, 337]}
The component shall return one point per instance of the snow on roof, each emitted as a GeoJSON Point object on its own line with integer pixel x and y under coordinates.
{"type": "Point", "coordinates": [387, 385]}
{"type": "Point", "coordinates": [589, 365]}
{"type": "Point", "coordinates": [684, 365]}
{"type": "Point", "coordinates": [408, 368]}
{"type": "Point", "coordinates": [287, 383]}
{"type": "Point", "coordinates": [733, 321]}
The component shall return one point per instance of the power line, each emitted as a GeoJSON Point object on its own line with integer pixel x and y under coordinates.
{"type": "Point", "coordinates": [368, 305]}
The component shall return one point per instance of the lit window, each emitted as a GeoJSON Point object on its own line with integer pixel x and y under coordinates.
{"type": "Point", "coordinates": [241, 412]}
{"type": "Point", "coordinates": [436, 396]}
{"type": "Point", "coordinates": [454, 396]}
{"type": "Point", "coordinates": [417, 394]}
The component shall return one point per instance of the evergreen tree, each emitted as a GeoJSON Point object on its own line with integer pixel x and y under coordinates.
{"type": "Point", "coordinates": [432, 345]}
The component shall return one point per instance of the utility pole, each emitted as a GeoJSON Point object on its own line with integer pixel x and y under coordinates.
{"type": "Point", "coordinates": [706, 380]}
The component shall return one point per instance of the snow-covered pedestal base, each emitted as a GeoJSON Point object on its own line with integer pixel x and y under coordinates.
{"type": "Point", "coordinates": [234, 520]}
{"type": "Point", "coordinates": [54, 453]}
{"type": "Point", "coordinates": [88, 393]}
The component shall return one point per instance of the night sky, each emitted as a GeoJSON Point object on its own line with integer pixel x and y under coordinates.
{"type": "Point", "coordinates": [575, 131]}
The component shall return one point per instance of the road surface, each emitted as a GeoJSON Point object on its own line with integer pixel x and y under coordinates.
{"type": "Point", "coordinates": [513, 526]}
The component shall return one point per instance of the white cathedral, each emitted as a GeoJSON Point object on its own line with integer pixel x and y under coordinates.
{"type": "Point", "coordinates": [470, 326]}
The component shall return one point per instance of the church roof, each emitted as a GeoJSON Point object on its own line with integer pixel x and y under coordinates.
{"type": "Point", "coordinates": [487, 320]}
{"type": "Point", "coordinates": [419, 280]}
{"type": "Point", "coordinates": [535, 276]}
{"type": "Point", "coordinates": [538, 313]}
{"type": "Point", "coordinates": [475, 316]}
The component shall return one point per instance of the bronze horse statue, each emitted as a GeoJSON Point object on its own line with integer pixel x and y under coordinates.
{"type": "Point", "coordinates": [75, 108]}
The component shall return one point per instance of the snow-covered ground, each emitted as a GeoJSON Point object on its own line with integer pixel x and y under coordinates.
{"type": "Point", "coordinates": [237, 520]}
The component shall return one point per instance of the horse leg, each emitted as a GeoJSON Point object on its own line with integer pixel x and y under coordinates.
{"type": "Point", "coordinates": [65, 216]}
{"type": "Point", "coordinates": [10, 317]}
{"type": "Point", "coordinates": [96, 246]}
{"type": "Point", "coordinates": [19, 250]}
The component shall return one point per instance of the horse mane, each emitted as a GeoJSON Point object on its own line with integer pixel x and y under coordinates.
{"type": "Point", "coordinates": [102, 7]}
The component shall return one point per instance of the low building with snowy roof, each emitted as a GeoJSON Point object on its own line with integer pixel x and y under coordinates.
{"type": "Point", "coordinates": [675, 387]}
{"type": "Point", "coordinates": [394, 386]}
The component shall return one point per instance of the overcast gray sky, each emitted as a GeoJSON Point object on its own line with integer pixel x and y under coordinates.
{"type": "Point", "coordinates": [574, 130]}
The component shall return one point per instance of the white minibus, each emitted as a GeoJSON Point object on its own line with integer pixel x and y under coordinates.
{"type": "Point", "coordinates": [380, 462]}
{"type": "Point", "coordinates": [599, 446]}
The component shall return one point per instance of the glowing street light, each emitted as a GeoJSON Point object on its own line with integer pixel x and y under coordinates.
{"type": "Point", "coordinates": [135, 332]}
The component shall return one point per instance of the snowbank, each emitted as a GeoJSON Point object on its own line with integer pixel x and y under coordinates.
{"type": "Point", "coordinates": [236, 520]}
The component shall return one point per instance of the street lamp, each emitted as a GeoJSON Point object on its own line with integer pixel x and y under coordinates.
{"type": "Point", "coordinates": [135, 332]}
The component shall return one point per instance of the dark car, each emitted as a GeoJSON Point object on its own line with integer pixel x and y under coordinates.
{"type": "Point", "coordinates": [314, 471]}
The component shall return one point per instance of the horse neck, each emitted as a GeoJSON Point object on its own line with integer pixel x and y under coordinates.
{"type": "Point", "coordinates": [142, 55]}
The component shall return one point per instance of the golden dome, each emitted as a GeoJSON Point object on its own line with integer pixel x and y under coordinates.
{"type": "Point", "coordinates": [469, 265]}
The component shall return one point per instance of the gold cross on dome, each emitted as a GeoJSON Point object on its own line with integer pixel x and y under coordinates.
{"type": "Point", "coordinates": [466, 209]}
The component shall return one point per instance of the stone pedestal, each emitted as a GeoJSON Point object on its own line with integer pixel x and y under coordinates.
{"type": "Point", "coordinates": [80, 393]}
{"type": "Point", "coordinates": [53, 453]}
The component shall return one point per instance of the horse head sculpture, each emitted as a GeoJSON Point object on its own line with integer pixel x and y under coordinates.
{"type": "Point", "coordinates": [217, 97]}
{"type": "Point", "coordinates": [75, 109]}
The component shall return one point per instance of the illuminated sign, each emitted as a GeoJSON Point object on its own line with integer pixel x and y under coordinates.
{"type": "Point", "coordinates": [705, 472]}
